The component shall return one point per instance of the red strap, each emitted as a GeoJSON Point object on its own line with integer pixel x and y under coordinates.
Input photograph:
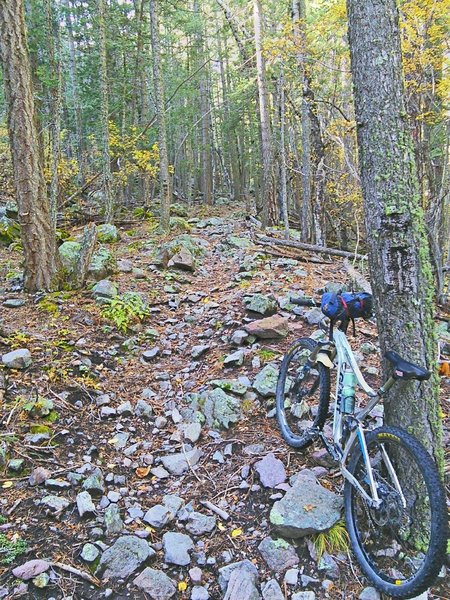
{"type": "Point", "coordinates": [345, 305]}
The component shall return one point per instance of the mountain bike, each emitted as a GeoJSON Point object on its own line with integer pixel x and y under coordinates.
{"type": "Point", "coordinates": [394, 502]}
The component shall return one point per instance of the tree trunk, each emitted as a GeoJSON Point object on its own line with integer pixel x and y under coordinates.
{"type": "Point", "coordinates": [76, 97]}
{"type": "Point", "coordinates": [268, 196]}
{"type": "Point", "coordinates": [282, 155]}
{"type": "Point", "coordinates": [38, 237]}
{"type": "Point", "coordinates": [398, 250]}
{"type": "Point", "coordinates": [54, 48]}
{"type": "Point", "coordinates": [104, 115]}
{"type": "Point", "coordinates": [164, 175]}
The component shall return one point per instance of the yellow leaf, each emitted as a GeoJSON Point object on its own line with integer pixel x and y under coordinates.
{"type": "Point", "coordinates": [236, 533]}
{"type": "Point", "coordinates": [7, 485]}
{"type": "Point", "coordinates": [309, 507]}
{"type": "Point", "coordinates": [182, 586]}
{"type": "Point", "coordinates": [220, 526]}
{"type": "Point", "coordinates": [142, 472]}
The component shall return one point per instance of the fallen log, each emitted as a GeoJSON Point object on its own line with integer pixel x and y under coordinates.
{"type": "Point", "coordinates": [263, 239]}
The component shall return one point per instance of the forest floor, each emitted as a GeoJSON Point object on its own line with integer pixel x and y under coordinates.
{"type": "Point", "coordinates": [78, 357]}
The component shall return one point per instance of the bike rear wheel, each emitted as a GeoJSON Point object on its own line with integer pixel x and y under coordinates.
{"type": "Point", "coordinates": [401, 545]}
{"type": "Point", "coordinates": [302, 395]}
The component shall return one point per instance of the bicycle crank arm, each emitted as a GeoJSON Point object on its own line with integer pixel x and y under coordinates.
{"type": "Point", "coordinates": [332, 451]}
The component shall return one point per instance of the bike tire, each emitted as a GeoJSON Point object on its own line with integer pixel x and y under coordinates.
{"type": "Point", "coordinates": [400, 568]}
{"type": "Point", "coordinates": [319, 380]}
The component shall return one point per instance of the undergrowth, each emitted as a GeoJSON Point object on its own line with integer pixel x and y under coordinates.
{"type": "Point", "coordinates": [332, 541]}
{"type": "Point", "coordinates": [125, 310]}
{"type": "Point", "coordinates": [10, 549]}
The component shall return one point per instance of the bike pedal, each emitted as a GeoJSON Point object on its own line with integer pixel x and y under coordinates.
{"type": "Point", "coordinates": [329, 447]}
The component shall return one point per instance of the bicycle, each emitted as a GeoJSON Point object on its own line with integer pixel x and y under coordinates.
{"type": "Point", "coordinates": [394, 502]}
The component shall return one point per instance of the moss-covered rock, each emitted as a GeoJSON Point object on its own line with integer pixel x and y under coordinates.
{"type": "Point", "coordinates": [107, 233]}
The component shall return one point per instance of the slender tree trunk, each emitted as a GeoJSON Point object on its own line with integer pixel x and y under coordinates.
{"type": "Point", "coordinates": [398, 250]}
{"type": "Point", "coordinates": [54, 48]}
{"type": "Point", "coordinates": [282, 155]}
{"type": "Point", "coordinates": [38, 237]}
{"type": "Point", "coordinates": [104, 115]}
{"type": "Point", "coordinates": [164, 175]}
{"type": "Point", "coordinates": [269, 212]}
{"type": "Point", "coordinates": [76, 96]}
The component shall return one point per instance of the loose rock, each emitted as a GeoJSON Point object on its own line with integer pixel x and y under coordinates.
{"type": "Point", "coordinates": [17, 359]}
{"type": "Point", "coordinates": [271, 471]}
{"type": "Point", "coordinates": [31, 569]}
{"type": "Point", "coordinates": [124, 557]}
{"type": "Point", "coordinates": [278, 554]}
{"type": "Point", "coordinates": [177, 547]}
{"type": "Point", "coordinates": [156, 584]}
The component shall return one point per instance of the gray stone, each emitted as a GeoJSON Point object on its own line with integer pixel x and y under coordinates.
{"type": "Point", "coordinates": [125, 409]}
{"type": "Point", "coordinates": [156, 584]}
{"type": "Point", "coordinates": [85, 504]}
{"type": "Point", "coordinates": [236, 359]}
{"type": "Point", "coordinates": [329, 566]}
{"type": "Point", "coordinates": [119, 441]}
{"type": "Point", "coordinates": [230, 385]}
{"type": "Point", "coordinates": [271, 471]}
{"type": "Point", "coordinates": [199, 350]}
{"type": "Point", "coordinates": [272, 591]}
{"type": "Point", "coordinates": [190, 431]}
{"type": "Point", "coordinates": [242, 586]}
{"type": "Point", "coordinates": [31, 569]}
{"type": "Point", "coordinates": [102, 264]}
{"type": "Point", "coordinates": [107, 412]}
{"type": "Point", "coordinates": [55, 503]}
{"type": "Point", "coordinates": [291, 576]}
{"type": "Point", "coordinates": [226, 572]}
{"type": "Point", "coordinates": [121, 559]}
{"type": "Point", "coordinates": [264, 305]}
{"type": "Point", "coordinates": [239, 242]}
{"type": "Point", "coordinates": [90, 553]}
{"type": "Point", "coordinates": [177, 547]}
{"type": "Point", "coordinates": [95, 484]}
{"type": "Point", "coordinates": [160, 472]}
{"type": "Point", "coordinates": [113, 522]}
{"type": "Point", "coordinates": [15, 464]}
{"type": "Point", "coordinates": [183, 259]}
{"type": "Point", "coordinates": [143, 409]}
{"type": "Point", "coordinates": [17, 359]}
{"type": "Point", "coordinates": [278, 554]}
{"type": "Point", "coordinates": [199, 524]}
{"type": "Point", "coordinates": [177, 464]}
{"type": "Point", "coordinates": [221, 409]}
{"type": "Point", "coordinates": [306, 508]}
{"type": "Point", "coordinates": [199, 593]}
{"type": "Point", "coordinates": [13, 303]}
{"type": "Point", "coordinates": [304, 596]}
{"type": "Point", "coordinates": [149, 355]}
{"type": "Point", "coordinates": [239, 337]}
{"type": "Point", "coordinates": [265, 382]}
{"type": "Point", "coordinates": [124, 265]}
{"type": "Point", "coordinates": [114, 496]}
{"type": "Point", "coordinates": [369, 593]}
{"type": "Point", "coordinates": [271, 327]}
{"type": "Point", "coordinates": [158, 516]}
{"type": "Point", "coordinates": [105, 289]}
{"type": "Point", "coordinates": [195, 575]}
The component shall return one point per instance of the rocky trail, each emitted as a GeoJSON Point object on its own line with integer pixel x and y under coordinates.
{"type": "Point", "coordinates": [139, 454]}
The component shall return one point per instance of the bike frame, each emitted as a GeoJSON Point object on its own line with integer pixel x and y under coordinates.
{"type": "Point", "coordinates": [345, 360]}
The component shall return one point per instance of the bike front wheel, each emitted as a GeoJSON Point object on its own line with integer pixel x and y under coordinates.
{"type": "Point", "coordinates": [401, 544]}
{"type": "Point", "coordinates": [302, 395]}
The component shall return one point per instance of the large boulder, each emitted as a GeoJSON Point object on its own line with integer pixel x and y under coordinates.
{"type": "Point", "coordinates": [307, 508]}
{"type": "Point", "coordinates": [260, 303]}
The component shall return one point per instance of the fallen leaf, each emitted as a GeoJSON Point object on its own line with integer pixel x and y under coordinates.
{"type": "Point", "coordinates": [7, 485]}
{"type": "Point", "coordinates": [142, 472]}
{"type": "Point", "coordinates": [309, 507]}
{"type": "Point", "coordinates": [236, 533]}
{"type": "Point", "coordinates": [220, 526]}
{"type": "Point", "coordinates": [182, 586]}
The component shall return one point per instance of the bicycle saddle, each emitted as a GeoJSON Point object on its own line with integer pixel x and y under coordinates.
{"type": "Point", "coordinates": [406, 370]}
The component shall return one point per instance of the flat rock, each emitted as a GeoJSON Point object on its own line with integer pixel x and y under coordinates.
{"type": "Point", "coordinates": [38, 476]}
{"type": "Point", "coordinates": [121, 559]}
{"type": "Point", "coordinates": [113, 521]}
{"type": "Point", "coordinates": [143, 409]}
{"type": "Point", "coordinates": [105, 289]}
{"type": "Point", "coordinates": [307, 508]}
{"type": "Point", "coordinates": [226, 572]}
{"type": "Point", "coordinates": [265, 382]}
{"type": "Point", "coordinates": [242, 586]}
{"type": "Point", "coordinates": [369, 593]}
{"type": "Point", "coordinates": [95, 483]}
{"type": "Point", "coordinates": [199, 524]}
{"type": "Point", "coordinates": [13, 303]}
{"type": "Point", "coordinates": [177, 464]}
{"type": "Point", "coordinates": [271, 471]}
{"type": "Point", "coordinates": [271, 327]}
{"type": "Point", "coordinates": [235, 359]}
{"type": "Point", "coordinates": [272, 591]}
{"type": "Point", "coordinates": [31, 569]}
{"type": "Point", "coordinates": [55, 503]}
{"type": "Point", "coordinates": [259, 303]}
{"type": "Point", "coordinates": [199, 350]}
{"type": "Point", "coordinates": [230, 385]}
{"type": "Point", "coordinates": [278, 554]}
{"type": "Point", "coordinates": [158, 516]}
{"type": "Point", "coordinates": [90, 553]}
{"type": "Point", "coordinates": [190, 431]}
{"type": "Point", "coordinates": [156, 584]}
{"type": "Point", "coordinates": [17, 359]}
{"type": "Point", "coordinates": [304, 596]}
{"type": "Point", "coordinates": [85, 504]}
{"type": "Point", "coordinates": [177, 547]}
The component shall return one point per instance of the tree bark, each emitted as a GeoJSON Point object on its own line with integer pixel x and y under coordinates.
{"type": "Point", "coordinates": [164, 175]}
{"type": "Point", "coordinates": [398, 250]}
{"type": "Point", "coordinates": [38, 238]}
{"type": "Point", "coordinates": [104, 115]}
{"type": "Point", "coordinates": [268, 196]}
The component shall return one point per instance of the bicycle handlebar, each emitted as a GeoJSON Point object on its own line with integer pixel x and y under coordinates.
{"type": "Point", "coordinates": [304, 301]}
